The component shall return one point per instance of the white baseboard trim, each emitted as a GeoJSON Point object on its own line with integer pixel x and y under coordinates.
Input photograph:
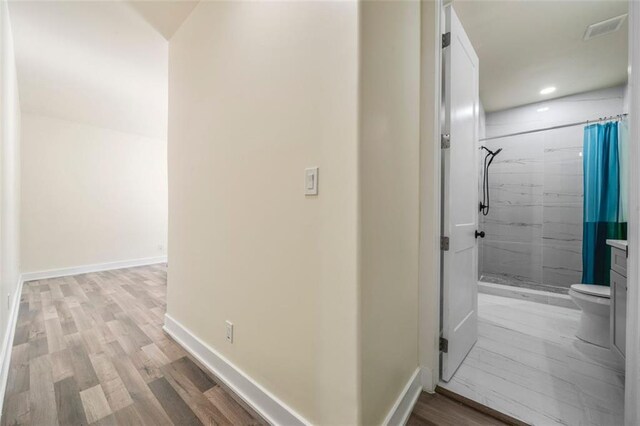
{"type": "Point", "coordinates": [7, 343]}
{"type": "Point", "coordinates": [427, 380]}
{"type": "Point", "coordinates": [264, 402]}
{"type": "Point", "coordinates": [76, 270]}
{"type": "Point", "coordinates": [403, 407]}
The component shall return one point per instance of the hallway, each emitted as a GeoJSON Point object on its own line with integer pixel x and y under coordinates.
{"type": "Point", "coordinates": [89, 349]}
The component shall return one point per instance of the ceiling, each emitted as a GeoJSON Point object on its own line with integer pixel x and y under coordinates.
{"type": "Point", "coordinates": [527, 45]}
{"type": "Point", "coordinates": [98, 63]}
{"type": "Point", "coordinates": [73, 65]}
{"type": "Point", "coordinates": [165, 16]}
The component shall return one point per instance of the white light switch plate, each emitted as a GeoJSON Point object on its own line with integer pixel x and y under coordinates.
{"type": "Point", "coordinates": [311, 181]}
{"type": "Point", "coordinates": [229, 331]}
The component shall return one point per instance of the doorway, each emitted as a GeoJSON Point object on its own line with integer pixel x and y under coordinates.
{"type": "Point", "coordinates": [529, 327]}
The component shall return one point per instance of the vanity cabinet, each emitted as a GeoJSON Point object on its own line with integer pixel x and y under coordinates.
{"type": "Point", "coordinates": [618, 300]}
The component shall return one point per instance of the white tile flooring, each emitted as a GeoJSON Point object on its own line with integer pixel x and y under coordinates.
{"type": "Point", "coordinates": [528, 363]}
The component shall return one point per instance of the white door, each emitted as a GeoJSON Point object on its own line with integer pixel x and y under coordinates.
{"type": "Point", "coordinates": [460, 197]}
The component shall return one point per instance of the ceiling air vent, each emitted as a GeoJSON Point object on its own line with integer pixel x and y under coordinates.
{"type": "Point", "coordinates": [605, 27]}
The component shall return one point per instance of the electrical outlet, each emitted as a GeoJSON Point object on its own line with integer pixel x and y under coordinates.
{"type": "Point", "coordinates": [229, 328]}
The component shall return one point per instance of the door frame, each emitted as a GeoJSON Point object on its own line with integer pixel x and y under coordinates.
{"type": "Point", "coordinates": [632, 367]}
{"type": "Point", "coordinates": [429, 291]}
{"type": "Point", "coordinates": [431, 195]}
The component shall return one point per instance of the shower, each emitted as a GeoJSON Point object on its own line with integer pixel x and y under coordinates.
{"type": "Point", "coordinates": [488, 159]}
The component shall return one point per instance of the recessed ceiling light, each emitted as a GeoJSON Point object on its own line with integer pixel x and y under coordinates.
{"type": "Point", "coordinates": [547, 90]}
{"type": "Point", "coordinates": [543, 109]}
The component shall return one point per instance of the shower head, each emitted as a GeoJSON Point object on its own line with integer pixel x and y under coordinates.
{"type": "Point", "coordinates": [491, 152]}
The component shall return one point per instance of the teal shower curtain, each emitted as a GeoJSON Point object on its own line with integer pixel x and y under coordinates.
{"type": "Point", "coordinates": [604, 162]}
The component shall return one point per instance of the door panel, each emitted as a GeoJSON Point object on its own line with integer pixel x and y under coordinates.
{"type": "Point", "coordinates": [460, 197]}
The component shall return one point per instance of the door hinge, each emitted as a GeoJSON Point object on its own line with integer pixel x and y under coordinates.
{"type": "Point", "coordinates": [446, 40]}
{"type": "Point", "coordinates": [445, 141]}
{"type": "Point", "coordinates": [444, 243]}
{"type": "Point", "coordinates": [443, 345]}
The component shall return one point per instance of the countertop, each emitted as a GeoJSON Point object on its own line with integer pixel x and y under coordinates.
{"type": "Point", "coordinates": [621, 244]}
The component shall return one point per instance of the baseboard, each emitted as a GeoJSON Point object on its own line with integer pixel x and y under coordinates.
{"type": "Point", "coordinates": [427, 379]}
{"type": "Point", "coordinates": [76, 270]}
{"type": "Point", "coordinates": [264, 402]}
{"type": "Point", "coordinates": [401, 410]}
{"type": "Point", "coordinates": [7, 343]}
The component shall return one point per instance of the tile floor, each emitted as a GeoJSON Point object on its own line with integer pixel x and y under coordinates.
{"type": "Point", "coordinates": [528, 363]}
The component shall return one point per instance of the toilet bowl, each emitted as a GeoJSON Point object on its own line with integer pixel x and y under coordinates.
{"type": "Point", "coordinates": [594, 302]}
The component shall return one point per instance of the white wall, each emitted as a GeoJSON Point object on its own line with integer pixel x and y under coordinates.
{"type": "Point", "coordinates": [626, 101]}
{"type": "Point", "coordinates": [259, 91]}
{"type": "Point", "coordinates": [580, 107]}
{"type": "Point", "coordinates": [94, 103]}
{"type": "Point", "coordinates": [9, 181]}
{"type": "Point", "coordinates": [93, 62]}
{"type": "Point", "coordinates": [90, 195]}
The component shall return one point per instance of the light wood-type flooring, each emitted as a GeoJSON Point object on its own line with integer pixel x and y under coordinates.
{"type": "Point", "coordinates": [89, 349]}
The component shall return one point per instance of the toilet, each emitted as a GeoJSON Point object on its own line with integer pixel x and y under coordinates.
{"type": "Point", "coordinates": [594, 301]}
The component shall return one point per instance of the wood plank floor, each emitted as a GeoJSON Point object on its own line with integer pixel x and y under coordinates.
{"type": "Point", "coordinates": [437, 409]}
{"type": "Point", "coordinates": [89, 349]}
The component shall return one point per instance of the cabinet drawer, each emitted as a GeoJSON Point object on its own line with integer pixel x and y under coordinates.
{"type": "Point", "coordinates": [619, 261]}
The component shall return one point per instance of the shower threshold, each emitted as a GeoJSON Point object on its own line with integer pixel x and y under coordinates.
{"type": "Point", "coordinates": [539, 296]}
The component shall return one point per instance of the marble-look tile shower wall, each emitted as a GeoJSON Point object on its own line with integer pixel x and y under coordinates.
{"type": "Point", "coordinates": [534, 228]}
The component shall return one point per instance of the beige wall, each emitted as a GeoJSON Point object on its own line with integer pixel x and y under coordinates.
{"type": "Point", "coordinates": [389, 229]}
{"type": "Point", "coordinates": [9, 173]}
{"type": "Point", "coordinates": [90, 195]}
{"type": "Point", "coordinates": [257, 92]}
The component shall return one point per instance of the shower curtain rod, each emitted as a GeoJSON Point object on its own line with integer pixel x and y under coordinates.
{"type": "Point", "coordinates": [561, 126]}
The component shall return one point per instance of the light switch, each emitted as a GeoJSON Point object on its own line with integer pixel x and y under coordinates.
{"type": "Point", "coordinates": [311, 181]}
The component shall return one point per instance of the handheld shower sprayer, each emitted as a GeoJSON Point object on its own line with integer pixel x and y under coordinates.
{"type": "Point", "coordinates": [488, 159]}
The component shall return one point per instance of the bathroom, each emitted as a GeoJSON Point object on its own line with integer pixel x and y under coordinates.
{"type": "Point", "coordinates": [552, 144]}
{"type": "Point", "coordinates": [534, 220]}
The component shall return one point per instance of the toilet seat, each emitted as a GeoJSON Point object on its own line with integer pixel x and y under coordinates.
{"type": "Point", "coordinates": [592, 290]}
